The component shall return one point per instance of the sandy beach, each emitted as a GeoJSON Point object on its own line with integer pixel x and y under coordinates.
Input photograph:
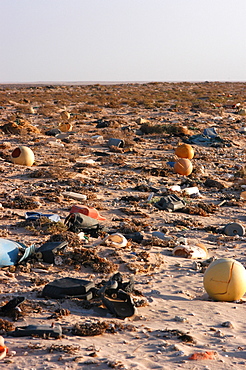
{"type": "Point", "coordinates": [175, 318]}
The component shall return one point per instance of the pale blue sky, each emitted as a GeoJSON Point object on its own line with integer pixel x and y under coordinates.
{"type": "Point", "coordinates": [122, 40]}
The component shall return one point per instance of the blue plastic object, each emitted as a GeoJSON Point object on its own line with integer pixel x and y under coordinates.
{"type": "Point", "coordinates": [9, 252]}
{"type": "Point", "coordinates": [171, 164]}
{"type": "Point", "coordinates": [36, 215]}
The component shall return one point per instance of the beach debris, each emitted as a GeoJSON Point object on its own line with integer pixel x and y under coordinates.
{"type": "Point", "coordinates": [119, 143]}
{"type": "Point", "coordinates": [88, 211]}
{"type": "Point", "coordinates": [77, 222]}
{"type": "Point", "coordinates": [183, 166]}
{"type": "Point", "coordinates": [242, 112]}
{"type": "Point", "coordinates": [65, 115]}
{"type": "Point", "coordinates": [53, 132]}
{"type": "Point", "coordinates": [170, 203]}
{"type": "Point", "coordinates": [243, 195]}
{"type": "Point", "coordinates": [97, 327]}
{"type": "Point", "coordinates": [211, 183]}
{"type": "Point", "coordinates": [19, 127]}
{"type": "Point", "coordinates": [233, 229]}
{"type": "Point", "coordinates": [116, 240]}
{"type": "Point", "coordinates": [191, 191]}
{"type": "Point", "coordinates": [3, 349]}
{"type": "Point", "coordinates": [184, 151]}
{"type": "Point", "coordinates": [11, 308]}
{"type": "Point", "coordinates": [207, 355]}
{"type": "Point", "coordinates": [69, 288]}
{"type": "Point", "coordinates": [225, 280]}
{"type": "Point", "coordinates": [209, 137]}
{"type": "Point", "coordinates": [12, 252]}
{"type": "Point", "coordinates": [65, 127]}
{"type": "Point", "coordinates": [73, 195]}
{"type": "Point", "coordinates": [50, 250]}
{"type": "Point", "coordinates": [198, 251]}
{"type": "Point", "coordinates": [43, 331]}
{"type": "Point", "coordinates": [227, 324]}
{"type": "Point", "coordinates": [6, 326]}
{"type": "Point", "coordinates": [23, 155]}
{"type": "Point", "coordinates": [37, 215]}
{"type": "Point", "coordinates": [121, 305]}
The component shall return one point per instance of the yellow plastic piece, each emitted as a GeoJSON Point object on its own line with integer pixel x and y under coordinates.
{"type": "Point", "coordinates": [225, 280]}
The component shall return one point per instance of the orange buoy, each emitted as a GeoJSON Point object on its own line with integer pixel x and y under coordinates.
{"type": "Point", "coordinates": [185, 151]}
{"type": "Point", "coordinates": [183, 166]}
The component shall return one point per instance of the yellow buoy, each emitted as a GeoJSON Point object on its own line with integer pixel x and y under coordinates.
{"type": "Point", "coordinates": [225, 280]}
{"type": "Point", "coordinates": [23, 155]}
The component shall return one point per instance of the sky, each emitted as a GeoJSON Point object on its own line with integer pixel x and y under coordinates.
{"type": "Point", "coordinates": [122, 40]}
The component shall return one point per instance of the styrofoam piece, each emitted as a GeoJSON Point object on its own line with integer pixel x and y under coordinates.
{"type": "Point", "coordinates": [77, 196]}
{"type": "Point", "coordinates": [192, 190]}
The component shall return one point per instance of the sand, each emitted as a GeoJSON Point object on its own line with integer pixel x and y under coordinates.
{"type": "Point", "coordinates": [175, 318]}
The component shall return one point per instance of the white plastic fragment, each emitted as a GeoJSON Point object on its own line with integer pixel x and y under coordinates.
{"type": "Point", "coordinates": [77, 196]}
{"type": "Point", "coordinates": [115, 240]}
{"type": "Point", "coordinates": [190, 251]}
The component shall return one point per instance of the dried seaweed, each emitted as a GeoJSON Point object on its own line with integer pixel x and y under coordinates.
{"type": "Point", "coordinates": [43, 226]}
{"type": "Point", "coordinates": [6, 326]}
{"type": "Point", "coordinates": [21, 202]}
{"type": "Point", "coordinates": [100, 327]}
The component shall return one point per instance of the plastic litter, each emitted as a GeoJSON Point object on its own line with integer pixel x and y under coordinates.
{"type": "Point", "coordinates": [191, 191]}
{"type": "Point", "coordinates": [43, 331]}
{"type": "Point", "coordinates": [170, 203]}
{"type": "Point", "coordinates": [116, 142]}
{"type": "Point", "coordinates": [10, 252]}
{"type": "Point", "coordinates": [47, 252]}
{"type": "Point", "coordinates": [233, 229]}
{"type": "Point", "coordinates": [68, 288]}
{"type": "Point", "coordinates": [88, 211]}
{"type": "Point", "coordinates": [77, 196]}
{"type": "Point", "coordinates": [115, 240]}
{"type": "Point", "coordinates": [121, 306]}
{"type": "Point", "coordinates": [36, 215]}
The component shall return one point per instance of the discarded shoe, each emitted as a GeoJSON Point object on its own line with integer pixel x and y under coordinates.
{"type": "Point", "coordinates": [69, 288]}
{"type": "Point", "coordinates": [77, 222]}
{"type": "Point", "coordinates": [43, 331]}
{"type": "Point", "coordinates": [170, 203]}
{"type": "Point", "coordinates": [48, 251]}
{"type": "Point", "coordinates": [122, 306]}
{"type": "Point", "coordinates": [136, 237]}
{"type": "Point", "coordinates": [11, 305]}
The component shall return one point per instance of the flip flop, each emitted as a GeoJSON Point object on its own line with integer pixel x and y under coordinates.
{"type": "Point", "coordinates": [122, 306]}
{"type": "Point", "coordinates": [43, 331]}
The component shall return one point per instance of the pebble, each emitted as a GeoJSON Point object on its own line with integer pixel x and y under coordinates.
{"type": "Point", "coordinates": [227, 324]}
{"type": "Point", "coordinates": [180, 319]}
